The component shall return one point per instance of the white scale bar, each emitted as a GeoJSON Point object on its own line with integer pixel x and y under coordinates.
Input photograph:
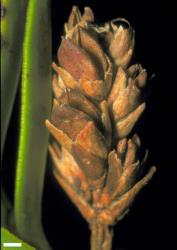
{"type": "Point", "coordinates": [12, 244]}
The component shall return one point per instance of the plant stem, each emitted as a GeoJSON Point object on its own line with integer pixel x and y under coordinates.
{"type": "Point", "coordinates": [101, 236]}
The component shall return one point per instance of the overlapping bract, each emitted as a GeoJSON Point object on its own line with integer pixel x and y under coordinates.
{"type": "Point", "coordinates": [98, 100]}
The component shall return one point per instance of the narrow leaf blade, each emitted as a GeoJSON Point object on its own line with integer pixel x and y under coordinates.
{"type": "Point", "coordinates": [8, 237]}
{"type": "Point", "coordinates": [12, 34]}
{"type": "Point", "coordinates": [36, 105]}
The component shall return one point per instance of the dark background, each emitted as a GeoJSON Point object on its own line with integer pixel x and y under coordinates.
{"type": "Point", "coordinates": [151, 223]}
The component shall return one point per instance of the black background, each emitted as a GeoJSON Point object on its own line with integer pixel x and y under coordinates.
{"type": "Point", "coordinates": [151, 223]}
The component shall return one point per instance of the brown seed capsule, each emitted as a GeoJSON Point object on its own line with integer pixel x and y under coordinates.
{"type": "Point", "coordinates": [76, 61]}
{"type": "Point", "coordinates": [122, 44]}
{"type": "Point", "coordinates": [126, 92]}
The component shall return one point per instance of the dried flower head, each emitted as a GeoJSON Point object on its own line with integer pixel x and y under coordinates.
{"type": "Point", "coordinates": [98, 100]}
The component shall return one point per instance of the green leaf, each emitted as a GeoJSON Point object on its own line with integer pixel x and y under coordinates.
{"type": "Point", "coordinates": [8, 237]}
{"type": "Point", "coordinates": [35, 108]}
{"type": "Point", "coordinates": [12, 34]}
